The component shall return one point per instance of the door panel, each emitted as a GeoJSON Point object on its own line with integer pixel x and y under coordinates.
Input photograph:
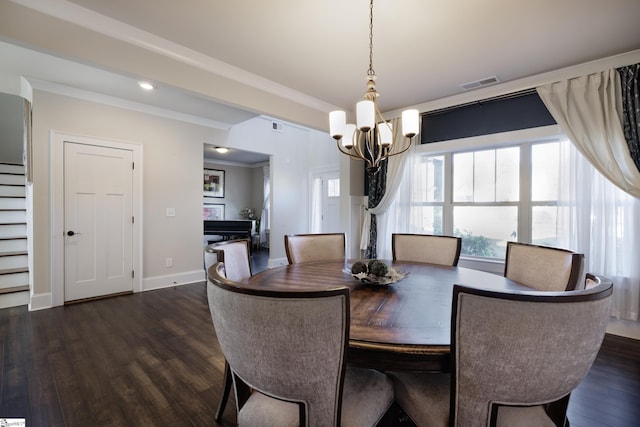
{"type": "Point", "coordinates": [98, 216]}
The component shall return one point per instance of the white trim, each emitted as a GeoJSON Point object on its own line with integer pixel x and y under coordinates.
{"type": "Point", "coordinates": [169, 280]}
{"type": "Point", "coordinates": [277, 262]}
{"type": "Point", "coordinates": [40, 301]}
{"type": "Point", "coordinates": [57, 140]}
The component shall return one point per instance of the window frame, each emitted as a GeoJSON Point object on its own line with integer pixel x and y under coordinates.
{"type": "Point", "coordinates": [524, 139]}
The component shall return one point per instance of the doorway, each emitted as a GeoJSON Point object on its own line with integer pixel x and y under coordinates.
{"type": "Point", "coordinates": [325, 204]}
{"type": "Point", "coordinates": [97, 215]}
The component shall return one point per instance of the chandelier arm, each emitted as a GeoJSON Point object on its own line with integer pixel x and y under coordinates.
{"type": "Point", "coordinates": [404, 149]}
{"type": "Point", "coordinates": [348, 153]}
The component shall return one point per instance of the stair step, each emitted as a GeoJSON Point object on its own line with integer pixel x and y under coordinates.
{"type": "Point", "coordinates": [11, 169]}
{"type": "Point", "coordinates": [13, 230]}
{"type": "Point", "coordinates": [17, 278]}
{"type": "Point", "coordinates": [4, 271]}
{"type": "Point", "coordinates": [13, 253]}
{"type": "Point", "coordinates": [20, 260]}
{"type": "Point", "coordinates": [12, 216]}
{"type": "Point", "coordinates": [12, 191]}
{"type": "Point", "coordinates": [14, 299]}
{"type": "Point", "coordinates": [14, 289]}
{"type": "Point", "coordinates": [13, 202]}
{"type": "Point", "coordinates": [12, 179]}
{"type": "Point", "coordinates": [13, 244]}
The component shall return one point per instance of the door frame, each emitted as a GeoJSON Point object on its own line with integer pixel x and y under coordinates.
{"type": "Point", "coordinates": [57, 141]}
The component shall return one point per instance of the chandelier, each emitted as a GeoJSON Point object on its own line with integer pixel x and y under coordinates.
{"type": "Point", "coordinates": [373, 139]}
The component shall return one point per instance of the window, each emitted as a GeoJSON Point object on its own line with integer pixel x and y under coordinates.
{"type": "Point", "coordinates": [490, 196]}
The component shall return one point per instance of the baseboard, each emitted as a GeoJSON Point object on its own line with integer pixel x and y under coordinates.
{"type": "Point", "coordinates": [277, 262]}
{"type": "Point", "coordinates": [40, 301]}
{"type": "Point", "coordinates": [624, 328]}
{"type": "Point", "coordinates": [160, 282]}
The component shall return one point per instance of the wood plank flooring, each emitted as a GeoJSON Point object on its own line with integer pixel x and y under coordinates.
{"type": "Point", "coordinates": [152, 359]}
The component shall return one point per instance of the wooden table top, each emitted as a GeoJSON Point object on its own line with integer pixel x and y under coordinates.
{"type": "Point", "coordinates": [402, 326]}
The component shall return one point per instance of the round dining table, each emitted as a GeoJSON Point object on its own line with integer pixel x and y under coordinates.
{"type": "Point", "coordinates": [402, 326]}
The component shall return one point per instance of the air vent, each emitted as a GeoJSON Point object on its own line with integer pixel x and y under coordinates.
{"type": "Point", "coordinates": [479, 83]}
{"type": "Point", "coordinates": [276, 126]}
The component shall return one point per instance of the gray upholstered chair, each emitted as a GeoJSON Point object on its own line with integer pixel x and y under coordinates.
{"type": "Point", "coordinates": [286, 350]}
{"type": "Point", "coordinates": [237, 263]}
{"type": "Point", "coordinates": [516, 357]}
{"type": "Point", "coordinates": [427, 248]}
{"type": "Point", "coordinates": [314, 247]}
{"type": "Point", "coordinates": [543, 268]}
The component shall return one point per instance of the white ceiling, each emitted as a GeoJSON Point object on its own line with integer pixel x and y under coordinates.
{"type": "Point", "coordinates": [312, 55]}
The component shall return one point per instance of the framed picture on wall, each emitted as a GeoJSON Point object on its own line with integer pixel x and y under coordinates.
{"type": "Point", "coordinates": [213, 183]}
{"type": "Point", "coordinates": [213, 211]}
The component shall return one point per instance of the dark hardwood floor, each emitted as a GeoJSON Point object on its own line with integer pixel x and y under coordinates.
{"type": "Point", "coordinates": [152, 359]}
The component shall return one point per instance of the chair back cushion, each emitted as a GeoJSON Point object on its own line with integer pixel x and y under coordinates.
{"type": "Point", "coordinates": [314, 247]}
{"type": "Point", "coordinates": [522, 349]}
{"type": "Point", "coordinates": [287, 345]}
{"type": "Point", "coordinates": [432, 249]}
{"type": "Point", "coordinates": [235, 256]}
{"type": "Point", "coordinates": [543, 268]}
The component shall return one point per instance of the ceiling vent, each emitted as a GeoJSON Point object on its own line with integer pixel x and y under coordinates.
{"type": "Point", "coordinates": [479, 83]}
{"type": "Point", "coordinates": [276, 126]}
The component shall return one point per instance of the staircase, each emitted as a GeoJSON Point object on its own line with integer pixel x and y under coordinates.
{"type": "Point", "coordinates": [14, 260]}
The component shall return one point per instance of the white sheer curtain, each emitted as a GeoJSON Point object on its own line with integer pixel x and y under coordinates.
{"type": "Point", "coordinates": [396, 217]}
{"type": "Point", "coordinates": [266, 206]}
{"type": "Point", "coordinates": [395, 168]}
{"type": "Point", "coordinates": [600, 220]}
{"type": "Point", "coordinates": [316, 205]}
{"type": "Point", "coordinates": [588, 110]}
{"type": "Point", "coordinates": [603, 222]}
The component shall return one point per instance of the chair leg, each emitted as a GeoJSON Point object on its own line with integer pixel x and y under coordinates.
{"type": "Point", "coordinates": [225, 391]}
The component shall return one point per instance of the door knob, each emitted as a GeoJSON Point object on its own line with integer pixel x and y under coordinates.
{"type": "Point", "coordinates": [72, 233]}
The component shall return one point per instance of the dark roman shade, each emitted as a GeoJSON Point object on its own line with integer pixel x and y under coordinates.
{"type": "Point", "coordinates": [522, 110]}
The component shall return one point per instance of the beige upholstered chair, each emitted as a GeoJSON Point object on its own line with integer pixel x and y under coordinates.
{"type": "Point", "coordinates": [428, 248]}
{"type": "Point", "coordinates": [236, 257]}
{"type": "Point", "coordinates": [314, 247]}
{"type": "Point", "coordinates": [286, 350]}
{"type": "Point", "coordinates": [516, 357]}
{"type": "Point", "coordinates": [543, 268]}
{"type": "Point", "coordinates": [237, 263]}
{"type": "Point", "coordinates": [592, 280]}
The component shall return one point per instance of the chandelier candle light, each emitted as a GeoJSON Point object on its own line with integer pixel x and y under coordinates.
{"type": "Point", "coordinates": [373, 140]}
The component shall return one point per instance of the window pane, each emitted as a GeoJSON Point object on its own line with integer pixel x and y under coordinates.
{"type": "Point", "coordinates": [435, 178]}
{"type": "Point", "coordinates": [545, 169]}
{"type": "Point", "coordinates": [487, 176]}
{"type": "Point", "coordinates": [484, 176]}
{"type": "Point", "coordinates": [544, 225]}
{"type": "Point", "coordinates": [508, 175]}
{"type": "Point", "coordinates": [427, 181]}
{"type": "Point", "coordinates": [426, 219]}
{"type": "Point", "coordinates": [485, 229]}
{"type": "Point", "coordinates": [333, 188]}
{"type": "Point", "coordinates": [463, 177]}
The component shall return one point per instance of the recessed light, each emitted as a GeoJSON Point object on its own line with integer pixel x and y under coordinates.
{"type": "Point", "coordinates": [222, 150]}
{"type": "Point", "coordinates": [146, 85]}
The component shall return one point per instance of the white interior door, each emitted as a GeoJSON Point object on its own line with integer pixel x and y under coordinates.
{"type": "Point", "coordinates": [98, 221]}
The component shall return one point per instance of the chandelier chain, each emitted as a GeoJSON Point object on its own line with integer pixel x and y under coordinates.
{"type": "Point", "coordinates": [370, 72]}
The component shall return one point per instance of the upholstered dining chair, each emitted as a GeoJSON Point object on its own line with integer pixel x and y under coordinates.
{"type": "Point", "coordinates": [314, 247]}
{"type": "Point", "coordinates": [543, 268]}
{"type": "Point", "coordinates": [237, 266]}
{"type": "Point", "coordinates": [428, 248]}
{"type": "Point", "coordinates": [516, 357]}
{"type": "Point", "coordinates": [286, 350]}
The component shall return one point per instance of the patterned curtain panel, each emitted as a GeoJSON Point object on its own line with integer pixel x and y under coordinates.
{"type": "Point", "coordinates": [377, 187]}
{"type": "Point", "coordinates": [631, 109]}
